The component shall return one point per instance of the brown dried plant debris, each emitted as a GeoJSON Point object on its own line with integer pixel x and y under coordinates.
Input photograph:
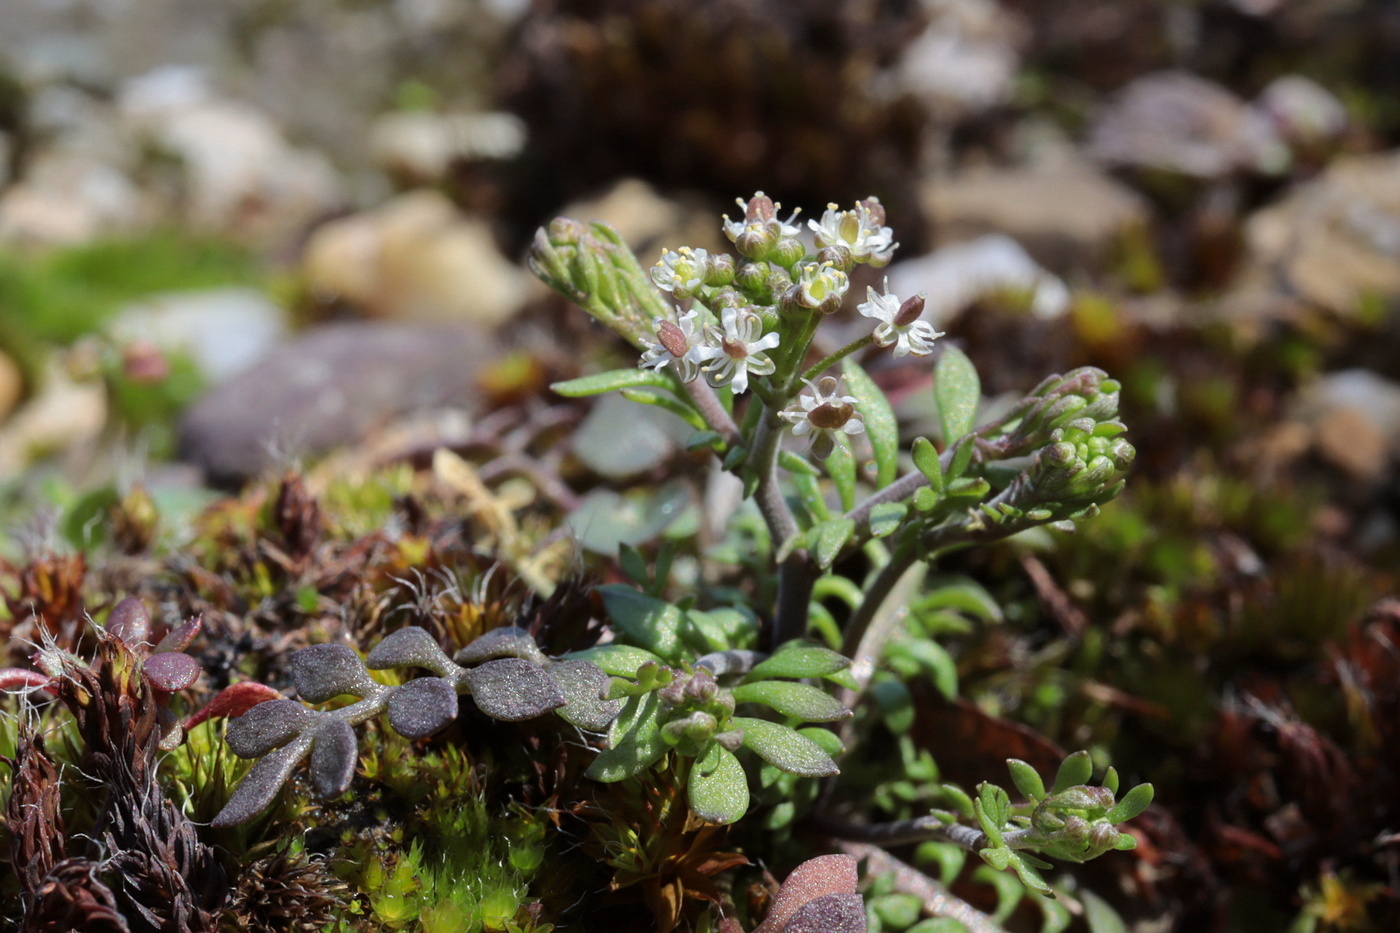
{"type": "Point", "coordinates": [283, 893]}
{"type": "Point", "coordinates": [163, 878]}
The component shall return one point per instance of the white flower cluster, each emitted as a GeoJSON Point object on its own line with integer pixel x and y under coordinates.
{"type": "Point", "coordinates": [862, 232]}
{"type": "Point", "coordinates": [726, 353]}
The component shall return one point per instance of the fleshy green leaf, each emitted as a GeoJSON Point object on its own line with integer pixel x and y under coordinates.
{"type": "Point", "coordinates": [617, 660]}
{"type": "Point", "coordinates": [719, 790]}
{"type": "Point", "coordinates": [584, 686]}
{"type": "Point", "coordinates": [598, 383]}
{"type": "Point", "coordinates": [1074, 770]}
{"type": "Point", "coordinates": [636, 741]}
{"type": "Point", "coordinates": [670, 403]}
{"type": "Point", "coordinates": [784, 748]}
{"type": "Point", "coordinates": [841, 467]}
{"type": "Point", "coordinates": [886, 517]}
{"type": "Point", "coordinates": [958, 391]}
{"type": "Point", "coordinates": [798, 701]}
{"type": "Point", "coordinates": [1133, 803]}
{"type": "Point", "coordinates": [796, 660]}
{"type": "Point", "coordinates": [1026, 779]}
{"type": "Point", "coordinates": [895, 703]}
{"type": "Point", "coordinates": [880, 424]}
{"type": "Point", "coordinates": [926, 460]}
{"type": "Point", "coordinates": [651, 623]}
{"type": "Point", "coordinates": [828, 538]}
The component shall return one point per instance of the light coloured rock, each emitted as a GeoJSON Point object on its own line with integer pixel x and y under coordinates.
{"type": "Point", "coordinates": [63, 415]}
{"type": "Point", "coordinates": [1067, 216]}
{"type": "Point", "coordinates": [240, 173]}
{"type": "Point", "coordinates": [224, 330]}
{"type": "Point", "coordinates": [67, 199]}
{"type": "Point", "coordinates": [1335, 240]}
{"type": "Point", "coordinates": [647, 221]}
{"type": "Point", "coordinates": [421, 146]}
{"type": "Point", "coordinates": [1354, 420]}
{"type": "Point", "coordinates": [955, 276]}
{"type": "Point", "coordinates": [965, 59]}
{"type": "Point", "coordinates": [621, 438]}
{"type": "Point", "coordinates": [415, 258]}
{"type": "Point", "coordinates": [1174, 121]}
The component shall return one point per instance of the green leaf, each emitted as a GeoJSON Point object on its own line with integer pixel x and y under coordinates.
{"type": "Point", "coordinates": [796, 660]}
{"type": "Point", "coordinates": [809, 490]}
{"type": "Point", "coordinates": [897, 910]}
{"type": "Point", "coordinates": [963, 594]}
{"type": "Point", "coordinates": [702, 440]}
{"type": "Point", "coordinates": [1110, 779]}
{"type": "Point", "coordinates": [1100, 917]}
{"type": "Point", "coordinates": [794, 463]}
{"type": "Point", "coordinates": [950, 858]}
{"type": "Point", "coordinates": [784, 748]}
{"type": "Point", "coordinates": [926, 499]}
{"type": "Point", "coordinates": [1074, 770]}
{"type": "Point", "coordinates": [958, 390]}
{"type": "Point", "coordinates": [633, 564]}
{"type": "Point", "coordinates": [598, 383]}
{"type": "Point", "coordinates": [635, 742]}
{"type": "Point", "coordinates": [938, 925]}
{"type": "Point", "coordinates": [880, 424]}
{"type": "Point", "coordinates": [798, 701]}
{"type": "Point", "coordinates": [1133, 803]}
{"type": "Point", "coordinates": [651, 623]}
{"type": "Point", "coordinates": [828, 538]}
{"type": "Point", "coordinates": [926, 460]}
{"type": "Point", "coordinates": [958, 799]}
{"type": "Point", "coordinates": [720, 629]}
{"type": "Point", "coordinates": [841, 467]}
{"type": "Point", "coordinates": [1024, 865]}
{"type": "Point", "coordinates": [676, 407]}
{"type": "Point", "coordinates": [924, 657]}
{"type": "Point", "coordinates": [896, 704]}
{"type": "Point", "coordinates": [827, 740]}
{"type": "Point", "coordinates": [886, 517]}
{"type": "Point", "coordinates": [617, 660]}
{"type": "Point", "coordinates": [962, 456]}
{"type": "Point", "coordinates": [1027, 781]}
{"type": "Point", "coordinates": [719, 790]}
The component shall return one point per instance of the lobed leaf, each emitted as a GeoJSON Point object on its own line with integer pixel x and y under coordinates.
{"type": "Point", "coordinates": [584, 687]}
{"type": "Point", "coordinates": [267, 726]}
{"type": "Point", "coordinates": [784, 748]}
{"type": "Point", "coordinates": [798, 701]}
{"type": "Point", "coordinates": [410, 646]}
{"type": "Point", "coordinates": [510, 689]}
{"type": "Point", "coordinates": [506, 642]}
{"type": "Point", "coordinates": [422, 707]}
{"type": "Point", "coordinates": [262, 782]}
{"type": "Point", "coordinates": [333, 756]}
{"type": "Point", "coordinates": [718, 788]}
{"type": "Point", "coordinates": [323, 672]}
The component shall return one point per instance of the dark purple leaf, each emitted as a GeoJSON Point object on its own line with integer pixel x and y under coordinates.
{"type": "Point", "coordinates": [17, 678]}
{"type": "Point", "coordinates": [831, 913]}
{"type": "Point", "coordinates": [129, 622]}
{"type": "Point", "coordinates": [512, 689]}
{"type": "Point", "coordinates": [179, 638]}
{"type": "Point", "coordinates": [171, 671]}
{"type": "Point", "coordinates": [408, 647]}
{"type": "Point", "coordinates": [261, 784]}
{"type": "Point", "coordinates": [508, 642]}
{"type": "Point", "coordinates": [267, 726]}
{"type": "Point", "coordinates": [584, 685]}
{"type": "Point", "coordinates": [333, 758]}
{"type": "Point", "coordinates": [323, 672]}
{"type": "Point", "coordinates": [421, 707]}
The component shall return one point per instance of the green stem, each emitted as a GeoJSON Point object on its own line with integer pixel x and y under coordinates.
{"type": "Point", "coordinates": [829, 361]}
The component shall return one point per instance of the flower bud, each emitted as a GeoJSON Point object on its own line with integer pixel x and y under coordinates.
{"type": "Point", "coordinates": [873, 211]}
{"type": "Point", "coordinates": [701, 687]}
{"type": "Point", "coordinates": [838, 256]}
{"type": "Point", "coordinates": [732, 740]}
{"type": "Point", "coordinates": [565, 232]}
{"type": "Point", "coordinates": [752, 276]}
{"type": "Point", "coordinates": [910, 311]}
{"type": "Point", "coordinates": [721, 270]}
{"type": "Point", "coordinates": [757, 241]}
{"type": "Point", "coordinates": [760, 209]}
{"type": "Point", "coordinates": [788, 252]}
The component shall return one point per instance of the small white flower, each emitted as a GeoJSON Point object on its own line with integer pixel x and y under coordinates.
{"type": "Point", "coordinates": [674, 341]}
{"type": "Point", "coordinates": [821, 283]}
{"type": "Point", "coordinates": [899, 322]}
{"type": "Point", "coordinates": [760, 212]}
{"type": "Point", "coordinates": [861, 231]}
{"type": "Point", "coordinates": [822, 414]}
{"type": "Point", "coordinates": [734, 349]}
{"type": "Point", "coordinates": [681, 271]}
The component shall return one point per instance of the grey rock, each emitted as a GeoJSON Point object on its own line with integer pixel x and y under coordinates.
{"type": "Point", "coordinates": [225, 330]}
{"type": "Point", "coordinates": [331, 387]}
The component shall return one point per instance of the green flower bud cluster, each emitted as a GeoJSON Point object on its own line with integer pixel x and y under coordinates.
{"type": "Point", "coordinates": [1086, 393]}
{"type": "Point", "coordinates": [1082, 465]}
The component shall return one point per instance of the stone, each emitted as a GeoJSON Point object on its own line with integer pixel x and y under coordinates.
{"type": "Point", "coordinates": [415, 258]}
{"type": "Point", "coordinates": [649, 222]}
{"type": "Point", "coordinates": [619, 438]}
{"type": "Point", "coordinates": [224, 330]}
{"type": "Point", "coordinates": [420, 146]}
{"type": "Point", "coordinates": [64, 415]}
{"type": "Point", "coordinates": [1068, 216]}
{"type": "Point", "coordinates": [1353, 417]}
{"type": "Point", "coordinates": [1174, 121]}
{"type": "Point", "coordinates": [67, 199]}
{"type": "Point", "coordinates": [964, 60]}
{"type": "Point", "coordinates": [1335, 240]}
{"type": "Point", "coordinates": [330, 387]}
{"type": "Point", "coordinates": [953, 277]}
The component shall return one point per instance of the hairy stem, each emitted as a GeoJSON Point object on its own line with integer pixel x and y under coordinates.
{"type": "Point", "coordinates": [924, 828]}
{"type": "Point", "coordinates": [708, 403]}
